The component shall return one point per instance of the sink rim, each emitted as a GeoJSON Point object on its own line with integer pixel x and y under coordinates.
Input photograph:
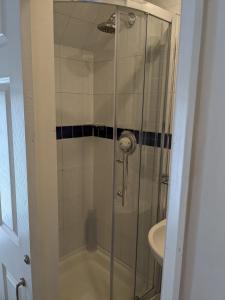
{"type": "Point", "coordinates": [151, 240]}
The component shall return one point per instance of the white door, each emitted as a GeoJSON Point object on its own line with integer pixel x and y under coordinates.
{"type": "Point", "coordinates": [14, 224]}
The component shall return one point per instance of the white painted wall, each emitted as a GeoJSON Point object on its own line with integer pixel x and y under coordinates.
{"type": "Point", "coordinates": [171, 5]}
{"type": "Point", "coordinates": [204, 256]}
{"type": "Point", "coordinates": [39, 87]}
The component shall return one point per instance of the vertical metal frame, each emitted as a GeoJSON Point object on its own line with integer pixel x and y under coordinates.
{"type": "Point", "coordinates": [140, 161]}
{"type": "Point", "coordinates": [114, 157]}
{"type": "Point", "coordinates": [167, 104]}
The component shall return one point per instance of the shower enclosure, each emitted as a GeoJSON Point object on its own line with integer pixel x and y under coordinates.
{"type": "Point", "coordinates": [113, 70]}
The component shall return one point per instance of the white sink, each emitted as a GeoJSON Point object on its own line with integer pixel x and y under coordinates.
{"type": "Point", "coordinates": [156, 239]}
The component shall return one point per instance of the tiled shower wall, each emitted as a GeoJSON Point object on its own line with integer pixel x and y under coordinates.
{"type": "Point", "coordinates": [74, 102]}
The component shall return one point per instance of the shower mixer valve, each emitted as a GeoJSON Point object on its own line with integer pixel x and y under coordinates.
{"type": "Point", "coordinates": [127, 144]}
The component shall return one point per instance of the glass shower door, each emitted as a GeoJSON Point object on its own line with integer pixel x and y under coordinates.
{"type": "Point", "coordinates": [129, 95]}
{"type": "Point", "coordinates": [156, 140]}
{"type": "Point", "coordinates": [141, 70]}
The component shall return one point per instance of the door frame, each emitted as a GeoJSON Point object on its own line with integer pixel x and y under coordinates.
{"type": "Point", "coordinates": [39, 100]}
{"type": "Point", "coordinates": [183, 127]}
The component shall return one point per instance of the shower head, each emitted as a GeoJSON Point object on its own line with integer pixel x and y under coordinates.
{"type": "Point", "coordinates": [109, 26]}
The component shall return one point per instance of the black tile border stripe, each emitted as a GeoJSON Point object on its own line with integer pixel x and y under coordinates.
{"type": "Point", "coordinates": [153, 139]}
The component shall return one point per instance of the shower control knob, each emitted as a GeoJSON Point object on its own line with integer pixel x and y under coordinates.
{"type": "Point", "coordinates": [127, 142]}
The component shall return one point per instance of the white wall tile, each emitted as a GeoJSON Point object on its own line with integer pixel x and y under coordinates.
{"type": "Point", "coordinates": [76, 54]}
{"type": "Point", "coordinates": [104, 77]}
{"type": "Point", "coordinates": [132, 39]}
{"type": "Point", "coordinates": [74, 86]}
{"type": "Point", "coordinates": [73, 238]}
{"type": "Point", "coordinates": [103, 189]}
{"type": "Point", "coordinates": [78, 38]}
{"type": "Point", "coordinates": [77, 109]}
{"type": "Point", "coordinates": [130, 73]}
{"type": "Point", "coordinates": [60, 23]}
{"type": "Point", "coordinates": [63, 8]}
{"type": "Point", "coordinates": [105, 48]}
{"type": "Point", "coordinates": [76, 201]}
{"type": "Point", "coordinates": [75, 76]}
{"type": "Point", "coordinates": [77, 192]}
{"type": "Point", "coordinates": [104, 109]}
{"type": "Point", "coordinates": [57, 74]}
{"type": "Point", "coordinates": [74, 106]}
{"type": "Point", "coordinates": [153, 112]}
{"type": "Point", "coordinates": [57, 50]}
{"type": "Point", "coordinates": [92, 13]}
{"type": "Point", "coordinates": [77, 152]}
{"type": "Point", "coordinates": [129, 111]}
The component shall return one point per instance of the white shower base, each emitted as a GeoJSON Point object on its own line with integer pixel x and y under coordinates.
{"type": "Point", "coordinates": [86, 276]}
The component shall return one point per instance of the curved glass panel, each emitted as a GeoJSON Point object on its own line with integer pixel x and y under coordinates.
{"type": "Point", "coordinates": [129, 95]}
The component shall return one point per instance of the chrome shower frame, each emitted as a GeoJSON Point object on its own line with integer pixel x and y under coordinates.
{"type": "Point", "coordinates": [141, 5]}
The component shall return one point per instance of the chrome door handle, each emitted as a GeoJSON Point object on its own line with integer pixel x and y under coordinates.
{"type": "Point", "coordinates": [20, 284]}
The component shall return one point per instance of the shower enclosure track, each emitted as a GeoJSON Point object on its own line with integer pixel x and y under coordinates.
{"type": "Point", "coordinates": [143, 6]}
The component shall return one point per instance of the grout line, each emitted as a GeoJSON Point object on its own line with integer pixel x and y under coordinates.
{"type": "Point", "coordinates": [74, 93]}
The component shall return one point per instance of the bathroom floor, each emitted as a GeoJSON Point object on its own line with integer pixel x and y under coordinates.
{"type": "Point", "coordinates": [86, 276]}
